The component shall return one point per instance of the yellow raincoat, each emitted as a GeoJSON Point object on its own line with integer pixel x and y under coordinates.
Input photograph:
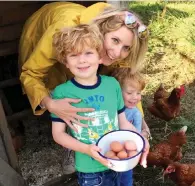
{"type": "Point", "coordinates": [40, 71]}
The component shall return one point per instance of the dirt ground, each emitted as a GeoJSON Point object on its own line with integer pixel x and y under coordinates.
{"type": "Point", "coordinates": [40, 159]}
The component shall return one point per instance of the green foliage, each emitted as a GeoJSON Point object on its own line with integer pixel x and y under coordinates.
{"type": "Point", "coordinates": [167, 28]}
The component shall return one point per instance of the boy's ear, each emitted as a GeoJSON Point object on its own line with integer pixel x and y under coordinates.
{"type": "Point", "coordinates": [66, 64]}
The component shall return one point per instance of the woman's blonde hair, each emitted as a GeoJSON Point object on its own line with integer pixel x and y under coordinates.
{"type": "Point", "coordinates": [110, 20]}
{"type": "Point", "coordinates": [125, 77]}
{"type": "Point", "coordinates": [75, 39]}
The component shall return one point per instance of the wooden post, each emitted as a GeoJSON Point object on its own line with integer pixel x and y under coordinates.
{"type": "Point", "coordinates": [3, 153]}
{"type": "Point", "coordinates": [7, 108]}
{"type": "Point", "coordinates": [7, 140]}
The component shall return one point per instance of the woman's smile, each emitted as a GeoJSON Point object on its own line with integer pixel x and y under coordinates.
{"type": "Point", "coordinates": [110, 56]}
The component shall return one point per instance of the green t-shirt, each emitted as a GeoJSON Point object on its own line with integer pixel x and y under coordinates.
{"type": "Point", "coordinates": [106, 97]}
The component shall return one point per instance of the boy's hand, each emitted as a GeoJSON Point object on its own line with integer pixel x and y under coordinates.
{"type": "Point", "coordinates": [93, 150]}
{"type": "Point", "coordinates": [144, 155]}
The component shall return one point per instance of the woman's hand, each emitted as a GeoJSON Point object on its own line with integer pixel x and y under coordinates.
{"type": "Point", "coordinates": [93, 150]}
{"type": "Point", "coordinates": [144, 155]}
{"type": "Point", "coordinates": [64, 110]}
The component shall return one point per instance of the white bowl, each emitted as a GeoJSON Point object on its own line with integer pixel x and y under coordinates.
{"type": "Point", "coordinates": [122, 136]}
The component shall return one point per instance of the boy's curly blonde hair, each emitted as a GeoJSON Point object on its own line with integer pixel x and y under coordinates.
{"type": "Point", "coordinates": [125, 77]}
{"type": "Point", "coordinates": [75, 39]}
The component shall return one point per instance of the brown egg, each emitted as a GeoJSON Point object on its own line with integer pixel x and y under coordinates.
{"type": "Point", "coordinates": [130, 145]}
{"type": "Point", "coordinates": [122, 154]}
{"type": "Point", "coordinates": [132, 153]}
{"type": "Point", "coordinates": [116, 146]}
{"type": "Point", "coordinates": [110, 154]}
{"type": "Point", "coordinates": [116, 158]}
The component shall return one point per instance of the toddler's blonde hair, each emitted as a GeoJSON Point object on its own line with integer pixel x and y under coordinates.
{"type": "Point", "coordinates": [75, 39]}
{"type": "Point", "coordinates": [125, 77]}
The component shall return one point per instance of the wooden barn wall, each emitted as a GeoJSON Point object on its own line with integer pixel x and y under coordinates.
{"type": "Point", "coordinates": [13, 15]}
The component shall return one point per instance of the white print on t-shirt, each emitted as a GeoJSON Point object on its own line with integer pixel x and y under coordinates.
{"type": "Point", "coordinates": [101, 125]}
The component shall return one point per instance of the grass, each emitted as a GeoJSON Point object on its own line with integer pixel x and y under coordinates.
{"type": "Point", "coordinates": [170, 60]}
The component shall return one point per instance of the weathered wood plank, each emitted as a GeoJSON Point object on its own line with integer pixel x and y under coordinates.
{"type": "Point", "coordinates": [18, 14]}
{"type": "Point", "coordinates": [7, 140]}
{"type": "Point", "coordinates": [7, 5]}
{"type": "Point", "coordinates": [9, 48]}
{"type": "Point", "coordinates": [8, 176]}
{"type": "Point", "coordinates": [9, 82]}
{"type": "Point", "coordinates": [11, 32]}
{"type": "Point", "coordinates": [3, 153]}
{"type": "Point", "coordinates": [19, 115]}
{"type": "Point", "coordinates": [7, 108]}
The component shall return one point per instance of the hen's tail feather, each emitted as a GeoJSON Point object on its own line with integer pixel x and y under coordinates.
{"type": "Point", "coordinates": [184, 129]}
{"type": "Point", "coordinates": [154, 111]}
{"type": "Point", "coordinates": [160, 93]}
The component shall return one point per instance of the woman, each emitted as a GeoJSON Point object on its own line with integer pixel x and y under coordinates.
{"type": "Point", "coordinates": [40, 71]}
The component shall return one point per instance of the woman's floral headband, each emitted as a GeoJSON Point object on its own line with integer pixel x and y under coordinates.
{"type": "Point", "coordinates": [131, 21]}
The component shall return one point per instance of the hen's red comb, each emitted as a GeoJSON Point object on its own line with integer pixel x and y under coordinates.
{"type": "Point", "coordinates": [182, 90]}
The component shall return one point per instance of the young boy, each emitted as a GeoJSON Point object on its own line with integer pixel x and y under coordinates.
{"type": "Point", "coordinates": [132, 86]}
{"type": "Point", "coordinates": [79, 49]}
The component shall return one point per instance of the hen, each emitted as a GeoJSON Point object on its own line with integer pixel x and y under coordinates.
{"type": "Point", "coordinates": [167, 107]}
{"type": "Point", "coordinates": [181, 174]}
{"type": "Point", "coordinates": [170, 149]}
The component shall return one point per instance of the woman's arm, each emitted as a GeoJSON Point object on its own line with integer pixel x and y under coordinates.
{"type": "Point", "coordinates": [36, 68]}
{"type": "Point", "coordinates": [69, 142]}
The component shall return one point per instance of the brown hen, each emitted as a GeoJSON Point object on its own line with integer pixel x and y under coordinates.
{"type": "Point", "coordinates": [168, 150]}
{"type": "Point", "coordinates": [181, 174]}
{"type": "Point", "coordinates": [167, 107]}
